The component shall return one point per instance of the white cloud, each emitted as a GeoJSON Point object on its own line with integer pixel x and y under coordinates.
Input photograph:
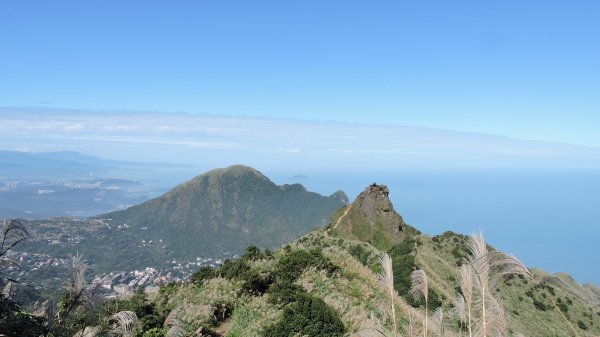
{"type": "Point", "coordinates": [273, 137]}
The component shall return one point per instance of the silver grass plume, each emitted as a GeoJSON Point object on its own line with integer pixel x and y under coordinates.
{"type": "Point", "coordinates": [77, 275]}
{"type": "Point", "coordinates": [497, 319]}
{"type": "Point", "coordinates": [438, 319]}
{"type": "Point", "coordinates": [123, 323]}
{"type": "Point", "coordinates": [176, 326]}
{"type": "Point", "coordinates": [420, 288]}
{"type": "Point", "coordinates": [479, 262]}
{"type": "Point", "coordinates": [411, 323]}
{"type": "Point", "coordinates": [13, 233]}
{"type": "Point", "coordinates": [460, 310]}
{"type": "Point", "coordinates": [486, 269]}
{"type": "Point", "coordinates": [88, 331]}
{"type": "Point", "coordinates": [466, 287]}
{"type": "Point", "coordinates": [387, 278]}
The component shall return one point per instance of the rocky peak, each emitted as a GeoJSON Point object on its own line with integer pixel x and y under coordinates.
{"type": "Point", "coordinates": [374, 199]}
{"type": "Point", "coordinates": [372, 218]}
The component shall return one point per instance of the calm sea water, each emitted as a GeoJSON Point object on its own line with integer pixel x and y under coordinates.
{"type": "Point", "coordinates": [548, 218]}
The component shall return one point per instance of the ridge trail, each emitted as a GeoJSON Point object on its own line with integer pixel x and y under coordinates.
{"type": "Point", "coordinates": [343, 216]}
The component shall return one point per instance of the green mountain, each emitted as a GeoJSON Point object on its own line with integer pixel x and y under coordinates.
{"type": "Point", "coordinates": [226, 210]}
{"type": "Point", "coordinates": [327, 283]}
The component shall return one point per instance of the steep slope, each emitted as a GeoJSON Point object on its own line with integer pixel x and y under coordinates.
{"type": "Point", "coordinates": [226, 210]}
{"type": "Point", "coordinates": [550, 305]}
{"type": "Point", "coordinates": [372, 218]}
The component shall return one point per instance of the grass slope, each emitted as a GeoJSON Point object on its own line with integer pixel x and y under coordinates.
{"type": "Point", "coordinates": [342, 273]}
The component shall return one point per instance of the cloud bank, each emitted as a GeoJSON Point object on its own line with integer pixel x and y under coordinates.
{"type": "Point", "coordinates": [218, 140]}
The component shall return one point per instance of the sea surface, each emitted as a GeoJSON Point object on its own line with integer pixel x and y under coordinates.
{"type": "Point", "coordinates": [548, 218]}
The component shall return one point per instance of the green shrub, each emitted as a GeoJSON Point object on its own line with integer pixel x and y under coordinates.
{"type": "Point", "coordinates": [282, 293]}
{"type": "Point", "coordinates": [539, 305]}
{"type": "Point", "coordinates": [563, 308]}
{"type": "Point", "coordinates": [360, 253]}
{"type": "Point", "coordinates": [403, 263]}
{"type": "Point", "coordinates": [307, 316]}
{"type": "Point", "coordinates": [253, 253]}
{"type": "Point", "coordinates": [529, 293]}
{"type": "Point", "coordinates": [233, 269]}
{"type": "Point", "coordinates": [256, 283]}
{"type": "Point", "coordinates": [156, 332]}
{"type": "Point", "coordinates": [222, 311]}
{"type": "Point", "coordinates": [204, 273]}
{"type": "Point", "coordinates": [581, 325]}
{"type": "Point", "coordinates": [146, 311]}
{"type": "Point", "coordinates": [292, 265]}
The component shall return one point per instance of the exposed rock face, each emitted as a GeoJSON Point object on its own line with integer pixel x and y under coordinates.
{"type": "Point", "coordinates": [372, 218]}
{"type": "Point", "coordinates": [374, 202]}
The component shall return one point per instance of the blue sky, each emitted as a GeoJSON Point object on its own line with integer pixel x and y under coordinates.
{"type": "Point", "coordinates": [523, 69]}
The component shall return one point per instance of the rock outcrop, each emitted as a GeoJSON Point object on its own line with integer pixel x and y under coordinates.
{"type": "Point", "coordinates": [372, 218]}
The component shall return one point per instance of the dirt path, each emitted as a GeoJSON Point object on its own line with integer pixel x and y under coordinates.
{"type": "Point", "coordinates": [340, 218]}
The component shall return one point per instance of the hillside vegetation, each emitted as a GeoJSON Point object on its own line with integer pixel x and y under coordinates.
{"type": "Point", "coordinates": [333, 282]}
{"type": "Point", "coordinates": [322, 285]}
{"type": "Point", "coordinates": [227, 210]}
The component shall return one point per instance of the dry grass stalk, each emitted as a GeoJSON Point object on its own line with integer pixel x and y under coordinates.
{"type": "Point", "coordinates": [387, 278]}
{"type": "Point", "coordinates": [466, 286]}
{"type": "Point", "coordinates": [123, 323]}
{"type": "Point", "coordinates": [418, 289]}
{"type": "Point", "coordinates": [176, 325]}
{"type": "Point", "coordinates": [482, 272]}
{"type": "Point", "coordinates": [438, 319]}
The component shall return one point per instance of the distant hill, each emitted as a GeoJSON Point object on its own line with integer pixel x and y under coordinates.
{"type": "Point", "coordinates": [227, 210]}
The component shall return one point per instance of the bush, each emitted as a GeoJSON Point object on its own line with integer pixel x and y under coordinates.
{"type": "Point", "coordinates": [282, 293]}
{"type": "Point", "coordinates": [581, 325]}
{"type": "Point", "coordinates": [307, 316]}
{"type": "Point", "coordinates": [233, 269]}
{"type": "Point", "coordinates": [360, 253]}
{"type": "Point", "coordinates": [563, 308]}
{"type": "Point", "coordinates": [256, 283]}
{"type": "Point", "coordinates": [403, 263]}
{"type": "Point", "coordinates": [253, 253]}
{"type": "Point", "coordinates": [204, 273]}
{"type": "Point", "coordinates": [222, 311]}
{"type": "Point", "coordinates": [156, 332]}
{"type": "Point", "coordinates": [292, 265]}
{"type": "Point", "coordinates": [539, 305]}
{"type": "Point", "coordinates": [146, 311]}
